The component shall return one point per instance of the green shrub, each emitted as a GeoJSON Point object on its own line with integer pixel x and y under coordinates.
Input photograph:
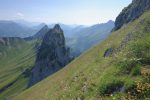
{"type": "Point", "coordinates": [127, 65]}
{"type": "Point", "coordinates": [130, 87]}
{"type": "Point", "coordinates": [147, 25]}
{"type": "Point", "coordinates": [136, 71]}
{"type": "Point", "coordinates": [110, 87]}
{"type": "Point", "coordinates": [138, 54]}
{"type": "Point", "coordinates": [140, 49]}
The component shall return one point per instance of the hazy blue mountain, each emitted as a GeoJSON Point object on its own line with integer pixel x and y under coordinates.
{"type": "Point", "coordinates": [71, 33]}
{"type": "Point", "coordinates": [38, 26]}
{"type": "Point", "coordinates": [13, 29]}
{"type": "Point", "coordinates": [84, 38]}
{"type": "Point", "coordinates": [27, 23]}
{"type": "Point", "coordinates": [69, 30]}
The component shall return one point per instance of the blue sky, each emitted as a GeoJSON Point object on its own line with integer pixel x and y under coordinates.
{"type": "Point", "coordinates": [86, 12]}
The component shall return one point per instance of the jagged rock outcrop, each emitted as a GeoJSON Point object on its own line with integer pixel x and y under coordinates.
{"type": "Point", "coordinates": [130, 13]}
{"type": "Point", "coordinates": [52, 55]}
{"type": "Point", "coordinates": [108, 52]}
{"type": "Point", "coordinates": [133, 11]}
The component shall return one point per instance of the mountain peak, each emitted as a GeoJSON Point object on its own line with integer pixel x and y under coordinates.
{"type": "Point", "coordinates": [57, 28]}
{"type": "Point", "coordinates": [45, 26]}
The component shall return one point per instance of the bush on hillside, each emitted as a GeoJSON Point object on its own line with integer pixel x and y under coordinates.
{"type": "Point", "coordinates": [110, 87]}
{"type": "Point", "coordinates": [127, 65]}
{"type": "Point", "coordinates": [138, 55]}
{"type": "Point", "coordinates": [136, 71]}
{"type": "Point", "coordinates": [140, 49]}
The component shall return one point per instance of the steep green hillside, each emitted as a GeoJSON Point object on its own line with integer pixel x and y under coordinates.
{"type": "Point", "coordinates": [92, 76]}
{"type": "Point", "coordinates": [16, 59]}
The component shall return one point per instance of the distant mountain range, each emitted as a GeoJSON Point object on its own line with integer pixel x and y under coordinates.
{"type": "Point", "coordinates": [13, 29]}
{"type": "Point", "coordinates": [83, 38]}
{"type": "Point", "coordinates": [69, 30]}
{"type": "Point", "coordinates": [80, 38]}
{"type": "Point", "coordinates": [21, 28]}
{"type": "Point", "coordinates": [74, 34]}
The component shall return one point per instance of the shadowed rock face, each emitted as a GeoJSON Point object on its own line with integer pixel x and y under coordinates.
{"type": "Point", "coordinates": [52, 55]}
{"type": "Point", "coordinates": [108, 52]}
{"type": "Point", "coordinates": [133, 11]}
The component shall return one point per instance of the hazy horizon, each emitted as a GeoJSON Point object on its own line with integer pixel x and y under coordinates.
{"type": "Point", "coordinates": [80, 12]}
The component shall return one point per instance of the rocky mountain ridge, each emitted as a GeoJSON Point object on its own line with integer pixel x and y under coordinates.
{"type": "Point", "coordinates": [130, 13]}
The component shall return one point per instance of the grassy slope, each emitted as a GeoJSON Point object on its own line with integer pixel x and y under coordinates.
{"type": "Point", "coordinates": [86, 74]}
{"type": "Point", "coordinates": [14, 60]}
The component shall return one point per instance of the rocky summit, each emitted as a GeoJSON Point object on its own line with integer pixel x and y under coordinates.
{"type": "Point", "coordinates": [133, 11]}
{"type": "Point", "coordinates": [52, 55]}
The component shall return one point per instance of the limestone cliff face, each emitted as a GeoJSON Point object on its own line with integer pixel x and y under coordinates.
{"type": "Point", "coordinates": [133, 11]}
{"type": "Point", "coordinates": [52, 55]}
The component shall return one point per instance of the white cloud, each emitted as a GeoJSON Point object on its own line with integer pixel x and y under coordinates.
{"type": "Point", "coordinates": [19, 15]}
